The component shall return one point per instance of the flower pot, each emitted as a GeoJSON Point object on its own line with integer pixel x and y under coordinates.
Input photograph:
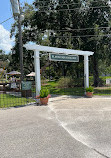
{"type": "Point", "coordinates": [44, 101]}
{"type": "Point", "coordinates": [89, 94]}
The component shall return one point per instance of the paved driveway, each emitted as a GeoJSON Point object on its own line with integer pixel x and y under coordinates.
{"type": "Point", "coordinates": [67, 128]}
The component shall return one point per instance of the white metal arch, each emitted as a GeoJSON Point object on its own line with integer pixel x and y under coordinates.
{"type": "Point", "coordinates": [38, 48]}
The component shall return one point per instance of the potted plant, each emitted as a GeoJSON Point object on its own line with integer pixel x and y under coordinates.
{"type": "Point", "coordinates": [44, 96]}
{"type": "Point", "coordinates": [89, 91]}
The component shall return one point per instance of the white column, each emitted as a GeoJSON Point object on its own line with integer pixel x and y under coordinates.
{"type": "Point", "coordinates": [86, 71]}
{"type": "Point", "coordinates": [37, 72]}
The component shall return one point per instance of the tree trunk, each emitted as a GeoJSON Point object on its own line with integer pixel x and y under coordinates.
{"type": "Point", "coordinates": [64, 71]}
{"type": "Point", "coordinates": [95, 70]}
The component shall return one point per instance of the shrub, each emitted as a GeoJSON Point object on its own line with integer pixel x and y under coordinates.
{"type": "Point", "coordinates": [102, 81]}
{"type": "Point", "coordinates": [91, 80]}
{"type": "Point", "coordinates": [66, 82]}
{"type": "Point", "coordinates": [56, 78]}
{"type": "Point", "coordinates": [44, 92]}
{"type": "Point", "coordinates": [78, 82]}
{"type": "Point", "coordinates": [89, 89]}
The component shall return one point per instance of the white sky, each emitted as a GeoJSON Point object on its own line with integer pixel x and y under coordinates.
{"type": "Point", "coordinates": [5, 41]}
{"type": "Point", "coordinates": [6, 12]}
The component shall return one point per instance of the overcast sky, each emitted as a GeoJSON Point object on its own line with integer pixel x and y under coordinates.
{"type": "Point", "coordinates": [5, 12]}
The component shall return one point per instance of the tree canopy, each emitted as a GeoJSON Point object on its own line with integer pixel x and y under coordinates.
{"type": "Point", "coordinates": [75, 24]}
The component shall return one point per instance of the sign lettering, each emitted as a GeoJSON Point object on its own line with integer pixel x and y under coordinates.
{"type": "Point", "coordinates": [63, 57]}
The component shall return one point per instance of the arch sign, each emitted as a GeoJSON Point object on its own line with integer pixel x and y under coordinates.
{"type": "Point", "coordinates": [59, 54]}
{"type": "Point", "coordinates": [63, 57]}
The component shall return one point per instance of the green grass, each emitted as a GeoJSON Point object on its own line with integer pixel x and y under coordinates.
{"type": "Point", "coordinates": [52, 86]}
{"type": "Point", "coordinates": [102, 91]}
{"type": "Point", "coordinates": [7, 100]}
{"type": "Point", "coordinates": [77, 91]}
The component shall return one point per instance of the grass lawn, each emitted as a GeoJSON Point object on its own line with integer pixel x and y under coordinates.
{"type": "Point", "coordinates": [102, 91]}
{"type": "Point", "coordinates": [77, 91]}
{"type": "Point", "coordinates": [52, 86]}
{"type": "Point", "coordinates": [7, 100]}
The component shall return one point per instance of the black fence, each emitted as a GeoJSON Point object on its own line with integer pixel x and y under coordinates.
{"type": "Point", "coordinates": [17, 94]}
{"type": "Point", "coordinates": [23, 93]}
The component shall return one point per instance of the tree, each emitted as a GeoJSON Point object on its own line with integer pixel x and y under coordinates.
{"type": "Point", "coordinates": [71, 24]}
{"type": "Point", "coordinates": [97, 16]}
{"type": "Point", "coordinates": [4, 60]}
{"type": "Point", "coordinates": [56, 21]}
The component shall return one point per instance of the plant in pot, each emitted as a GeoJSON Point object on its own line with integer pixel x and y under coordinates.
{"type": "Point", "coordinates": [44, 96]}
{"type": "Point", "coordinates": [89, 91]}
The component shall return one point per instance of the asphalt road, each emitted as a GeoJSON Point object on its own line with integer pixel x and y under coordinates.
{"type": "Point", "coordinates": [67, 128]}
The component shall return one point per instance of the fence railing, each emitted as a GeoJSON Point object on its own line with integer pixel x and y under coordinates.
{"type": "Point", "coordinates": [11, 94]}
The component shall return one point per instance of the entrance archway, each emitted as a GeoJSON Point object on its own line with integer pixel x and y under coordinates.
{"type": "Point", "coordinates": [38, 48]}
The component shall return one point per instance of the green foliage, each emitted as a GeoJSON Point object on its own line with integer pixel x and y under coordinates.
{"type": "Point", "coordinates": [78, 82]}
{"type": "Point", "coordinates": [68, 82]}
{"type": "Point", "coordinates": [53, 87]}
{"type": "Point", "coordinates": [102, 80]}
{"type": "Point", "coordinates": [89, 89]}
{"type": "Point", "coordinates": [102, 91]}
{"type": "Point", "coordinates": [46, 26]}
{"type": "Point", "coordinates": [56, 78]}
{"type": "Point", "coordinates": [49, 72]}
{"type": "Point", "coordinates": [65, 82]}
{"type": "Point", "coordinates": [91, 80]}
{"type": "Point", "coordinates": [44, 92]}
{"type": "Point", "coordinates": [76, 91]}
{"type": "Point", "coordinates": [4, 60]}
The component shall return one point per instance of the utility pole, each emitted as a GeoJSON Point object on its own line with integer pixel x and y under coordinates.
{"type": "Point", "coordinates": [20, 44]}
{"type": "Point", "coordinates": [17, 14]}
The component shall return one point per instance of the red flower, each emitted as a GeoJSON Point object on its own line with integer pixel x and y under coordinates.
{"type": "Point", "coordinates": [37, 97]}
{"type": "Point", "coordinates": [48, 96]}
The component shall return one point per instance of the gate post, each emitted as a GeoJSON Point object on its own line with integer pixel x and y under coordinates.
{"type": "Point", "coordinates": [37, 72]}
{"type": "Point", "coordinates": [86, 71]}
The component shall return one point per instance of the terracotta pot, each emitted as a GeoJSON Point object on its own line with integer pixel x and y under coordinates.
{"type": "Point", "coordinates": [44, 101]}
{"type": "Point", "coordinates": [89, 94]}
